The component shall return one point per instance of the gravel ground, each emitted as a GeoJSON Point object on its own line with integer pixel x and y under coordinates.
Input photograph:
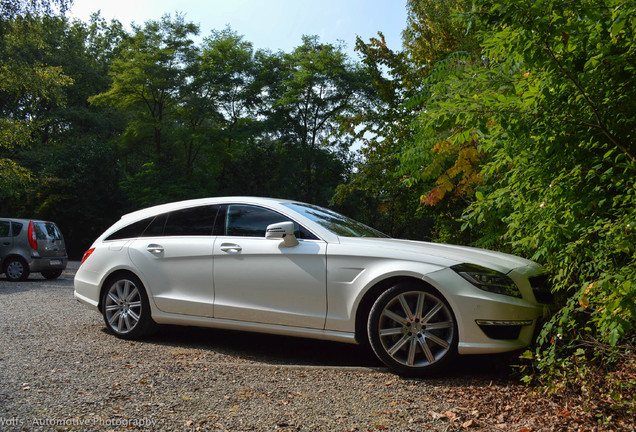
{"type": "Point", "coordinates": [60, 370]}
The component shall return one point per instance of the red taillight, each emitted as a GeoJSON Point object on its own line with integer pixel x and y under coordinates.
{"type": "Point", "coordinates": [87, 254]}
{"type": "Point", "coordinates": [33, 238]}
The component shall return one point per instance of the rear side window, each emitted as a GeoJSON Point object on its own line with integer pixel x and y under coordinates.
{"type": "Point", "coordinates": [17, 228]}
{"type": "Point", "coordinates": [4, 228]}
{"type": "Point", "coordinates": [155, 229]}
{"type": "Point", "coordinates": [133, 230]}
{"type": "Point", "coordinates": [194, 221]}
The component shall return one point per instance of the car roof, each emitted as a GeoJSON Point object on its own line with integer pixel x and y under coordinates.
{"type": "Point", "coordinates": [24, 220]}
{"type": "Point", "coordinates": [273, 203]}
{"type": "Point", "coordinates": [161, 208]}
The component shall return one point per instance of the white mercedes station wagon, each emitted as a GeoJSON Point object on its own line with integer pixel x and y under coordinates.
{"type": "Point", "coordinates": [289, 268]}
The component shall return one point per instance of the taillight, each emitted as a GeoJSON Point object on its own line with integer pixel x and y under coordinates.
{"type": "Point", "coordinates": [87, 254]}
{"type": "Point", "coordinates": [33, 238]}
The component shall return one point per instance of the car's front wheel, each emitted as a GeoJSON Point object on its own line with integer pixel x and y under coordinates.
{"type": "Point", "coordinates": [125, 307]}
{"type": "Point", "coordinates": [412, 330]}
{"type": "Point", "coordinates": [16, 269]}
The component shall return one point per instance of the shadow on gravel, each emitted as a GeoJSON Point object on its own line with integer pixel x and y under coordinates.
{"type": "Point", "coordinates": [282, 350]}
{"type": "Point", "coordinates": [36, 278]}
{"type": "Point", "coordinates": [34, 282]}
{"type": "Point", "coordinates": [266, 348]}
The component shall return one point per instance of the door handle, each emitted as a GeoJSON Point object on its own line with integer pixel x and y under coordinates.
{"type": "Point", "coordinates": [231, 247]}
{"type": "Point", "coordinates": [6, 244]}
{"type": "Point", "coordinates": [155, 249]}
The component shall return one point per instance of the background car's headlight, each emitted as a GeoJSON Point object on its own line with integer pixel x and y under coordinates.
{"type": "Point", "coordinates": [487, 279]}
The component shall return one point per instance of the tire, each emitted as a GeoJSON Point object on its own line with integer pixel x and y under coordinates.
{"type": "Point", "coordinates": [51, 274]}
{"type": "Point", "coordinates": [412, 330]}
{"type": "Point", "coordinates": [125, 307]}
{"type": "Point", "coordinates": [16, 269]}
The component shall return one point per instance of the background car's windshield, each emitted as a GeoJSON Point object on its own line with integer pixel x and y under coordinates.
{"type": "Point", "coordinates": [334, 222]}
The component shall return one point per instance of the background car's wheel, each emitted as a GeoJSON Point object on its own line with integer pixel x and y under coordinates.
{"type": "Point", "coordinates": [51, 274]}
{"type": "Point", "coordinates": [16, 269]}
{"type": "Point", "coordinates": [412, 330]}
{"type": "Point", "coordinates": [125, 307]}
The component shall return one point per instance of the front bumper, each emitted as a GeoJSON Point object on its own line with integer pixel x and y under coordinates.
{"type": "Point", "coordinates": [487, 322]}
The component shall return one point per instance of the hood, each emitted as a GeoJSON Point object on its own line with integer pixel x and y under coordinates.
{"type": "Point", "coordinates": [446, 255]}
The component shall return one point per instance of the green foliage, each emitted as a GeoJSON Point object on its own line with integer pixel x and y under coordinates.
{"type": "Point", "coordinates": [153, 183]}
{"type": "Point", "coordinates": [13, 178]}
{"type": "Point", "coordinates": [96, 121]}
{"type": "Point", "coordinates": [391, 166]}
{"type": "Point", "coordinates": [27, 87]}
{"type": "Point", "coordinates": [200, 120]}
{"type": "Point", "coordinates": [433, 31]}
{"type": "Point", "coordinates": [148, 80]}
{"type": "Point", "coordinates": [56, 163]}
{"type": "Point", "coordinates": [375, 193]}
{"type": "Point", "coordinates": [549, 103]}
{"type": "Point", "coordinates": [318, 90]}
{"type": "Point", "coordinates": [228, 94]}
{"type": "Point", "coordinates": [10, 9]}
{"type": "Point", "coordinates": [512, 119]}
{"type": "Point", "coordinates": [569, 189]}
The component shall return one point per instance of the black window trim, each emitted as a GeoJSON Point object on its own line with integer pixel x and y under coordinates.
{"type": "Point", "coordinates": [222, 212]}
{"type": "Point", "coordinates": [152, 218]}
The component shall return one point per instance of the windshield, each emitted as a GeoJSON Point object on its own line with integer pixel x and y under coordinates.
{"type": "Point", "coordinates": [334, 222]}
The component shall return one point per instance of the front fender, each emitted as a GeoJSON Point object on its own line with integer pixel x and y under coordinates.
{"type": "Point", "coordinates": [350, 279]}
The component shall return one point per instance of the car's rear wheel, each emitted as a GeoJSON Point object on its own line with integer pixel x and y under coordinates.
{"type": "Point", "coordinates": [125, 307]}
{"type": "Point", "coordinates": [16, 269]}
{"type": "Point", "coordinates": [412, 330]}
{"type": "Point", "coordinates": [51, 274]}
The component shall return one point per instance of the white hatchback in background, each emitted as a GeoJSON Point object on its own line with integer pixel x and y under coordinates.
{"type": "Point", "coordinates": [285, 267]}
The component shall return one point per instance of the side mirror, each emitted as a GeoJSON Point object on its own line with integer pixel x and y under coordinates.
{"type": "Point", "coordinates": [282, 230]}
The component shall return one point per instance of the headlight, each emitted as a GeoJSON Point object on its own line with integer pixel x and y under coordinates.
{"type": "Point", "coordinates": [487, 279]}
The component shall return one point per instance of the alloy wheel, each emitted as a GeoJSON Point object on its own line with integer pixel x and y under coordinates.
{"type": "Point", "coordinates": [123, 306]}
{"type": "Point", "coordinates": [416, 329]}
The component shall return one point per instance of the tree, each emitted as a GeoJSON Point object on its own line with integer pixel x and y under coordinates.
{"type": "Point", "coordinates": [569, 195]}
{"type": "Point", "coordinates": [227, 81]}
{"type": "Point", "coordinates": [11, 9]}
{"type": "Point", "coordinates": [26, 85]}
{"type": "Point", "coordinates": [549, 103]}
{"type": "Point", "coordinates": [316, 87]}
{"type": "Point", "coordinates": [149, 83]}
{"type": "Point", "coordinates": [390, 176]}
{"type": "Point", "coordinates": [67, 144]}
{"type": "Point", "coordinates": [433, 32]}
{"type": "Point", "coordinates": [376, 193]}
